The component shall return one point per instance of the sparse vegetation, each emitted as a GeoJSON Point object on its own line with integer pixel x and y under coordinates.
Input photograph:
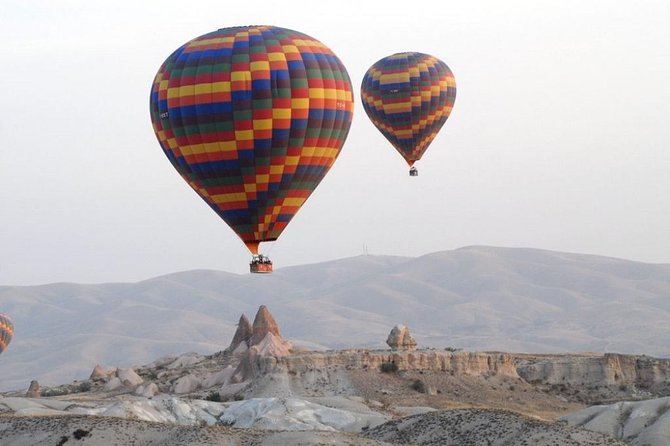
{"type": "Point", "coordinates": [419, 386]}
{"type": "Point", "coordinates": [214, 397]}
{"type": "Point", "coordinates": [388, 367]}
{"type": "Point", "coordinates": [81, 433]}
{"type": "Point", "coordinates": [150, 375]}
{"type": "Point", "coordinates": [55, 391]}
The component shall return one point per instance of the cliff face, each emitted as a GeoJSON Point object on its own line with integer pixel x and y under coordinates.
{"type": "Point", "coordinates": [610, 369]}
{"type": "Point", "coordinates": [466, 363]}
{"type": "Point", "coordinates": [587, 370]}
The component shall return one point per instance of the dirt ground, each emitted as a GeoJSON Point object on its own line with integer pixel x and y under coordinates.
{"type": "Point", "coordinates": [444, 391]}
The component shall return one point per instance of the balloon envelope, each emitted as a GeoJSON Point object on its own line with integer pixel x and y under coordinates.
{"type": "Point", "coordinates": [6, 331]}
{"type": "Point", "coordinates": [408, 97]}
{"type": "Point", "coordinates": [252, 118]}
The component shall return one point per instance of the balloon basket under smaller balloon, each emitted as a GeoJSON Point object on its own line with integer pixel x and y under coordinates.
{"type": "Point", "coordinates": [260, 265]}
{"type": "Point", "coordinates": [413, 172]}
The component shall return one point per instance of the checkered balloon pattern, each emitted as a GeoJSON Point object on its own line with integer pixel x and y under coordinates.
{"type": "Point", "coordinates": [252, 118]}
{"type": "Point", "coordinates": [6, 331]}
{"type": "Point", "coordinates": [408, 97]}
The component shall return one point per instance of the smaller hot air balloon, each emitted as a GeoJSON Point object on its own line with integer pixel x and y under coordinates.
{"type": "Point", "coordinates": [408, 97]}
{"type": "Point", "coordinates": [6, 331]}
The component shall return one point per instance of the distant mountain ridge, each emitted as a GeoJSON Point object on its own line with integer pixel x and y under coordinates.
{"type": "Point", "coordinates": [478, 297]}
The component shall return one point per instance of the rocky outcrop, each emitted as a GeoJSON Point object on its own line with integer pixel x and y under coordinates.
{"type": "Point", "coordinates": [264, 345]}
{"type": "Point", "coordinates": [117, 378]}
{"type": "Point", "coordinates": [128, 377]}
{"type": "Point", "coordinates": [148, 391]}
{"type": "Point", "coordinates": [102, 373]}
{"type": "Point", "coordinates": [462, 363]}
{"type": "Point", "coordinates": [263, 333]}
{"type": "Point", "coordinates": [264, 323]}
{"type": "Point", "coordinates": [242, 335]}
{"type": "Point", "coordinates": [644, 423]}
{"type": "Point", "coordinates": [261, 358]}
{"type": "Point", "coordinates": [186, 384]}
{"type": "Point", "coordinates": [400, 339]}
{"type": "Point", "coordinates": [610, 369]}
{"type": "Point", "coordinates": [33, 390]}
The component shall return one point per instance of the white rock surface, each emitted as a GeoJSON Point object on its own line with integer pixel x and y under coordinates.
{"type": "Point", "coordinates": [113, 384]}
{"type": "Point", "coordinates": [240, 349]}
{"type": "Point", "coordinates": [272, 345]}
{"type": "Point", "coordinates": [291, 414]}
{"type": "Point", "coordinates": [644, 423]}
{"type": "Point", "coordinates": [148, 391]}
{"type": "Point", "coordinates": [128, 377]}
{"type": "Point", "coordinates": [185, 360]}
{"type": "Point", "coordinates": [218, 378]}
{"type": "Point", "coordinates": [284, 414]}
{"type": "Point", "coordinates": [186, 384]}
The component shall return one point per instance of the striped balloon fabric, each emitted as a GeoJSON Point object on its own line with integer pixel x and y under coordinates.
{"type": "Point", "coordinates": [6, 331]}
{"type": "Point", "coordinates": [408, 97]}
{"type": "Point", "coordinates": [252, 118]}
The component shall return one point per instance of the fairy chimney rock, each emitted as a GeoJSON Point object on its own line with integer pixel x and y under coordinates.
{"type": "Point", "coordinates": [264, 323]}
{"type": "Point", "coordinates": [33, 390]}
{"type": "Point", "coordinates": [242, 334]}
{"type": "Point", "coordinates": [400, 339]}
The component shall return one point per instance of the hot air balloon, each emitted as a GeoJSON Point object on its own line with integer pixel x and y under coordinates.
{"type": "Point", "coordinates": [408, 97]}
{"type": "Point", "coordinates": [6, 331]}
{"type": "Point", "coordinates": [253, 118]}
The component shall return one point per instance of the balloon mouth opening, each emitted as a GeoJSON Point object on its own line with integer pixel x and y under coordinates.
{"type": "Point", "coordinates": [253, 246]}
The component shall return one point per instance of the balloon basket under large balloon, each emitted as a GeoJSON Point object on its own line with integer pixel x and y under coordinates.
{"type": "Point", "coordinates": [260, 264]}
{"type": "Point", "coordinates": [413, 172]}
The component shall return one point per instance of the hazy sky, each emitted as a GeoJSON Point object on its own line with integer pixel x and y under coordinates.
{"type": "Point", "coordinates": [558, 138]}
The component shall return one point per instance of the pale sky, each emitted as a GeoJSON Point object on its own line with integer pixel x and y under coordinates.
{"type": "Point", "coordinates": [558, 139]}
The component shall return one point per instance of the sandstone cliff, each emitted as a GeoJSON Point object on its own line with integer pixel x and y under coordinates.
{"type": "Point", "coordinates": [610, 369]}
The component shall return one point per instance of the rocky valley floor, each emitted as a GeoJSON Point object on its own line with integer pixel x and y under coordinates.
{"type": "Point", "coordinates": [263, 391]}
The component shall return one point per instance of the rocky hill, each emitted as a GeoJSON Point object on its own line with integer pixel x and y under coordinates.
{"type": "Point", "coordinates": [476, 298]}
{"type": "Point", "coordinates": [639, 423]}
{"type": "Point", "coordinates": [406, 395]}
{"type": "Point", "coordinates": [471, 427]}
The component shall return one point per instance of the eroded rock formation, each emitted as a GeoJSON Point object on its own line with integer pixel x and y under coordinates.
{"type": "Point", "coordinates": [264, 323]}
{"type": "Point", "coordinates": [400, 339]}
{"type": "Point", "coordinates": [263, 342]}
{"type": "Point", "coordinates": [33, 390]}
{"type": "Point", "coordinates": [242, 336]}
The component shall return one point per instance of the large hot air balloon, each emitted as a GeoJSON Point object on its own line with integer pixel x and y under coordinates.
{"type": "Point", "coordinates": [408, 97]}
{"type": "Point", "coordinates": [252, 118]}
{"type": "Point", "coordinates": [6, 331]}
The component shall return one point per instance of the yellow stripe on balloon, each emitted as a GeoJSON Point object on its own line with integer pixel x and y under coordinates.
{"type": "Point", "coordinates": [293, 201]}
{"type": "Point", "coordinates": [260, 65]}
{"type": "Point", "coordinates": [225, 198]}
{"type": "Point", "coordinates": [300, 103]}
{"type": "Point", "coordinates": [281, 113]}
{"type": "Point", "coordinates": [207, 42]}
{"type": "Point", "coordinates": [263, 124]}
{"type": "Point", "coordinates": [244, 135]}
